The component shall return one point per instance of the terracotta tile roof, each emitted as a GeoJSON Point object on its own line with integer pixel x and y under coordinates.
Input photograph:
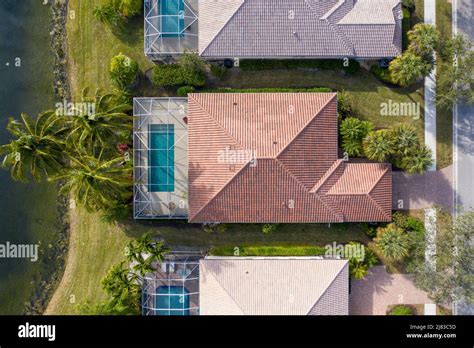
{"type": "Point", "coordinates": [300, 28]}
{"type": "Point", "coordinates": [278, 286]}
{"type": "Point", "coordinates": [272, 157]}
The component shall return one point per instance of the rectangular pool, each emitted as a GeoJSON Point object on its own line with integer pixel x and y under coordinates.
{"type": "Point", "coordinates": [172, 17]}
{"type": "Point", "coordinates": [172, 300]}
{"type": "Point", "coordinates": [161, 157]}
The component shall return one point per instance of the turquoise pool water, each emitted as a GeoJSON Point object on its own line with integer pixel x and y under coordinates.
{"type": "Point", "coordinates": [174, 303]}
{"type": "Point", "coordinates": [161, 158]}
{"type": "Point", "coordinates": [172, 22]}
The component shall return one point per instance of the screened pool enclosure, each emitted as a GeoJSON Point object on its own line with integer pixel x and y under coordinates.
{"type": "Point", "coordinates": [171, 27]}
{"type": "Point", "coordinates": [160, 142]}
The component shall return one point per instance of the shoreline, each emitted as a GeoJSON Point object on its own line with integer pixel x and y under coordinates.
{"type": "Point", "coordinates": [50, 282]}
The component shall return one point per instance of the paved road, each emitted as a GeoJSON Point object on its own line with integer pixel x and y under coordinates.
{"type": "Point", "coordinates": [463, 135]}
{"type": "Point", "coordinates": [464, 120]}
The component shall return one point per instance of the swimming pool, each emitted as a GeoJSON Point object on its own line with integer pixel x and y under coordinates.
{"type": "Point", "coordinates": [172, 17]}
{"type": "Point", "coordinates": [161, 157]}
{"type": "Point", "coordinates": [172, 300]}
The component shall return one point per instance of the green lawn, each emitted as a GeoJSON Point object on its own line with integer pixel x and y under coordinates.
{"type": "Point", "coordinates": [444, 117]}
{"type": "Point", "coordinates": [367, 92]}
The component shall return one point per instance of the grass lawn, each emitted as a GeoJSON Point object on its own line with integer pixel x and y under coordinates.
{"type": "Point", "coordinates": [367, 92]}
{"type": "Point", "coordinates": [92, 45]}
{"type": "Point", "coordinates": [444, 117]}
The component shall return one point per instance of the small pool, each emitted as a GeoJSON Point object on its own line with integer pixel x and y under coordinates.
{"type": "Point", "coordinates": [172, 20]}
{"type": "Point", "coordinates": [161, 157]}
{"type": "Point", "coordinates": [172, 300]}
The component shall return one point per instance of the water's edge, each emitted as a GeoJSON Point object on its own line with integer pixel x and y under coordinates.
{"type": "Point", "coordinates": [57, 256]}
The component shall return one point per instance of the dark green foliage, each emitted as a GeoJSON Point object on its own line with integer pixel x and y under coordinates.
{"type": "Point", "coordinates": [269, 228]}
{"type": "Point", "coordinates": [353, 132]}
{"type": "Point", "coordinates": [270, 90]}
{"type": "Point", "coordinates": [382, 74]}
{"type": "Point", "coordinates": [190, 71]}
{"type": "Point", "coordinates": [401, 310]}
{"type": "Point", "coordinates": [123, 71]}
{"type": "Point", "coordinates": [284, 64]}
{"type": "Point", "coordinates": [185, 90]}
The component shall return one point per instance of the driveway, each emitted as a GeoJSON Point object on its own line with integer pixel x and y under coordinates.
{"type": "Point", "coordinates": [423, 191]}
{"type": "Point", "coordinates": [372, 295]}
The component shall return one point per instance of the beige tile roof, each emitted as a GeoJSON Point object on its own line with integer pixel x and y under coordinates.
{"type": "Point", "coordinates": [273, 286]}
{"type": "Point", "coordinates": [300, 28]}
{"type": "Point", "coordinates": [293, 175]}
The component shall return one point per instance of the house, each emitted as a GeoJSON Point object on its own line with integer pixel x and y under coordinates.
{"type": "Point", "coordinates": [263, 29]}
{"type": "Point", "coordinates": [273, 286]}
{"type": "Point", "coordinates": [251, 158]}
{"type": "Point", "coordinates": [186, 284]}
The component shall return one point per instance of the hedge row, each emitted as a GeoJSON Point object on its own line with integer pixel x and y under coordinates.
{"type": "Point", "coordinates": [285, 64]}
{"type": "Point", "coordinates": [382, 74]}
{"type": "Point", "coordinates": [269, 251]}
{"type": "Point", "coordinates": [268, 90]}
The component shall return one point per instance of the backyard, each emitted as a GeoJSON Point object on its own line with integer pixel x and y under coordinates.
{"type": "Point", "coordinates": [97, 245]}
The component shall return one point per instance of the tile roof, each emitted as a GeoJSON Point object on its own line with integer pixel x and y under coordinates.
{"type": "Point", "coordinates": [299, 28]}
{"type": "Point", "coordinates": [278, 286]}
{"type": "Point", "coordinates": [272, 157]}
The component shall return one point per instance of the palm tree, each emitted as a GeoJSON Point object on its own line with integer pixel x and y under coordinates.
{"type": "Point", "coordinates": [358, 270]}
{"type": "Point", "coordinates": [392, 242]}
{"type": "Point", "coordinates": [96, 183]}
{"type": "Point", "coordinates": [144, 251]}
{"type": "Point", "coordinates": [109, 15]}
{"type": "Point", "coordinates": [37, 149]}
{"type": "Point", "coordinates": [353, 131]}
{"type": "Point", "coordinates": [105, 124]}
{"type": "Point", "coordinates": [423, 39]}
{"type": "Point", "coordinates": [406, 138]}
{"type": "Point", "coordinates": [119, 285]}
{"type": "Point", "coordinates": [378, 145]}
{"type": "Point", "coordinates": [408, 69]}
{"type": "Point", "coordinates": [418, 160]}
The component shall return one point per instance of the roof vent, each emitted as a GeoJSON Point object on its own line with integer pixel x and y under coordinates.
{"type": "Point", "coordinates": [235, 103]}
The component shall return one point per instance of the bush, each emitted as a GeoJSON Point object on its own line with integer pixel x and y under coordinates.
{"type": "Point", "coordinates": [401, 310]}
{"type": "Point", "coordinates": [288, 64]}
{"type": "Point", "coordinates": [123, 71]}
{"type": "Point", "coordinates": [353, 132]}
{"type": "Point", "coordinates": [344, 104]}
{"type": "Point", "coordinates": [382, 74]}
{"type": "Point", "coordinates": [128, 8]}
{"type": "Point", "coordinates": [408, 223]}
{"type": "Point", "coordinates": [190, 71]}
{"type": "Point", "coordinates": [185, 90]}
{"type": "Point", "coordinates": [270, 90]}
{"type": "Point", "coordinates": [269, 228]}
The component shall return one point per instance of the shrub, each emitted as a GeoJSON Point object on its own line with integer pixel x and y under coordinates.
{"type": "Point", "coordinates": [408, 223]}
{"type": "Point", "coordinates": [185, 90]}
{"type": "Point", "coordinates": [190, 71]}
{"type": "Point", "coordinates": [217, 70]}
{"type": "Point", "coordinates": [353, 131]}
{"type": "Point", "coordinates": [270, 90]}
{"type": "Point", "coordinates": [123, 71]}
{"type": "Point", "coordinates": [269, 228]}
{"type": "Point", "coordinates": [128, 8]}
{"type": "Point", "coordinates": [344, 104]}
{"type": "Point", "coordinates": [221, 228]}
{"type": "Point", "coordinates": [379, 145]}
{"type": "Point", "coordinates": [288, 64]}
{"type": "Point", "coordinates": [401, 310]}
{"type": "Point", "coordinates": [392, 242]}
{"type": "Point", "coordinates": [382, 74]}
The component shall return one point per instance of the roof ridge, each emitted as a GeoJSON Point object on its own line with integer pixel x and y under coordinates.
{"type": "Point", "coordinates": [227, 292]}
{"type": "Point", "coordinates": [222, 28]}
{"type": "Point", "coordinates": [326, 175]}
{"type": "Point", "coordinates": [380, 209]}
{"type": "Point", "coordinates": [308, 123]}
{"type": "Point", "coordinates": [328, 286]}
{"type": "Point", "coordinates": [318, 197]}
{"type": "Point", "coordinates": [378, 180]}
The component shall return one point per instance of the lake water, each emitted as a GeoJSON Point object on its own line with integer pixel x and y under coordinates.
{"type": "Point", "coordinates": [27, 212]}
